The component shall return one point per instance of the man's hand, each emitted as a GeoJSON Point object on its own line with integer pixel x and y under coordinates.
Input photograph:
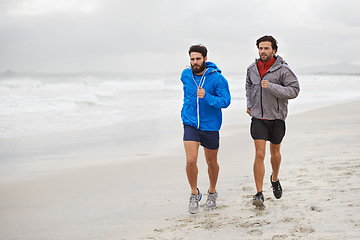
{"type": "Point", "coordinates": [201, 92]}
{"type": "Point", "coordinates": [248, 111]}
{"type": "Point", "coordinates": [264, 83]}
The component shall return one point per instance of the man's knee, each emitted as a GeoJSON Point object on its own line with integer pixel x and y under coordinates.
{"type": "Point", "coordinates": [275, 155]}
{"type": "Point", "coordinates": [212, 162]}
{"type": "Point", "coordinates": [260, 155]}
{"type": "Point", "coordinates": [275, 152]}
{"type": "Point", "coordinates": [191, 161]}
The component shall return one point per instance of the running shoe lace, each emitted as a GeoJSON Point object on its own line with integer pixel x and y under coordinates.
{"type": "Point", "coordinates": [276, 186]}
{"type": "Point", "coordinates": [211, 198]}
{"type": "Point", "coordinates": [193, 200]}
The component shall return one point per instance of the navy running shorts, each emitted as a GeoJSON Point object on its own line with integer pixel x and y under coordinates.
{"type": "Point", "coordinates": [268, 130]}
{"type": "Point", "coordinates": [207, 139]}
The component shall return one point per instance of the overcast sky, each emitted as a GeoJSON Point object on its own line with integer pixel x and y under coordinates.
{"type": "Point", "coordinates": [154, 35]}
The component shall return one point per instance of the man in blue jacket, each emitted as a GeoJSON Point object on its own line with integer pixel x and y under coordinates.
{"type": "Point", "coordinates": [270, 83]}
{"type": "Point", "coordinates": [206, 91]}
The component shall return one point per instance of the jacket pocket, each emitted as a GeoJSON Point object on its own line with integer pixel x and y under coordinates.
{"type": "Point", "coordinates": [273, 103]}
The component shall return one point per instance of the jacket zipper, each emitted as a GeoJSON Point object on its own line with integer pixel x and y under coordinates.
{"type": "Point", "coordinates": [261, 91]}
{"type": "Point", "coordinates": [198, 105]}
{"type": "Point", "coordinates": [262, 110]}
{"type": "Point", "coordinates": [201, 84]}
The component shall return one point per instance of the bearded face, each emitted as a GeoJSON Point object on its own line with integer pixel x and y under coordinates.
{"type": "Point", "coordinates": [198, 69]}
{"type": "Point", "coordinates": [197, 62]}
{"type": "Point", "coordinates": [265, 51]}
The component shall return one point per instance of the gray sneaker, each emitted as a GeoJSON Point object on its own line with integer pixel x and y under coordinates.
{"type": "Point", "coordinates": [194, 202]}
{"type": "Point", "coordinates": [258, 200]}
{"type": "Point", "coordinates": [211, 200]}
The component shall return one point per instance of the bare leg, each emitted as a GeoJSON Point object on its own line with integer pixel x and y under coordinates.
{"type": "Point", "coordinates": [259, 167]}
{"type": "Point", "coordinates": [191, 150]}
{"type": "Point", "coordinates": [275, 160]}
{"type": "Point", "coordinates": [213, 167]}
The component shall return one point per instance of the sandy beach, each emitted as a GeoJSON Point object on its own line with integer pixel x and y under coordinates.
{"type": "Point", "coordinates": [146, 195]}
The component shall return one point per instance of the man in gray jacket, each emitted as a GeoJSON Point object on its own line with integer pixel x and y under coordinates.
{"type": "Point", "coordinates": [269, 85]}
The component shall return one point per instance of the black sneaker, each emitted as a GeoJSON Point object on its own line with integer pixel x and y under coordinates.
{"type": "Point", "coordinates": [277, 189]}
{"type": "Point", "coordinates": [258, 200]}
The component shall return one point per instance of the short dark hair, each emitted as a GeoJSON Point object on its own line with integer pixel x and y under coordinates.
{"type": "Point", "coordinates": [268, 39]}
{"type": "Point", "coordinates": [198, 48]}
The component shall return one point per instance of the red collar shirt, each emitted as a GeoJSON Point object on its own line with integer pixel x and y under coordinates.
{"type": "Point", "coordinates": [264, 67]}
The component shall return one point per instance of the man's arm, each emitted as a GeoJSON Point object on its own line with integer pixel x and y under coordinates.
{"type": "Point", "coordinates": [222, 98]}
{"type": "Point", "coordinates": [289, 89]}
{"type": "Point", "coordinates": [248, 85]}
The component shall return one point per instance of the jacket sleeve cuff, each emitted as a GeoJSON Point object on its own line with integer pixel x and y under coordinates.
{"type": "Point", "coordinates": [248, 104]}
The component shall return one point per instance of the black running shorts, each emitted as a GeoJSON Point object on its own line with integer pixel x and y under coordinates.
{"type": "Point", "coordinates": [268, 130]}
{"type": "Point", "coordinates": [207, 139]}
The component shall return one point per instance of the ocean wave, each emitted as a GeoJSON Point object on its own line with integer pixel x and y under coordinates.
{"type": "Point", "coordinates": [42, 105]}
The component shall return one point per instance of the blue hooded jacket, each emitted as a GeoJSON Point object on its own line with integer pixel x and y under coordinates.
{"type": "Point", "coordinates": [205, 113]}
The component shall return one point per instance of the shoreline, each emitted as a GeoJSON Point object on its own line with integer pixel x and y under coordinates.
{"type": "Point", "coordinates": [147, 198]}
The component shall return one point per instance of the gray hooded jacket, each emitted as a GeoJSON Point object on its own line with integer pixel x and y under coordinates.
{"type": "Point", "coordinates": [271, 102]}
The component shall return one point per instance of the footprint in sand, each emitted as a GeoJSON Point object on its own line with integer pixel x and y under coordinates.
{"type": "Point", "coordinates": [253, 224]}
{"type": "Point", "coordinates": [255, 232]}
{"type": "Point", "coordinates": [279, 237]}
{"type": "Point", "coordinates": [302, 229]}
{"type": "Point", "coordinates": [289, 219]}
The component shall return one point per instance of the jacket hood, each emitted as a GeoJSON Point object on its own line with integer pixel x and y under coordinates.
{"type": "Point", "coordinates": [279, 61]}
{"type": "Point", "coordinates": [212, 67]}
